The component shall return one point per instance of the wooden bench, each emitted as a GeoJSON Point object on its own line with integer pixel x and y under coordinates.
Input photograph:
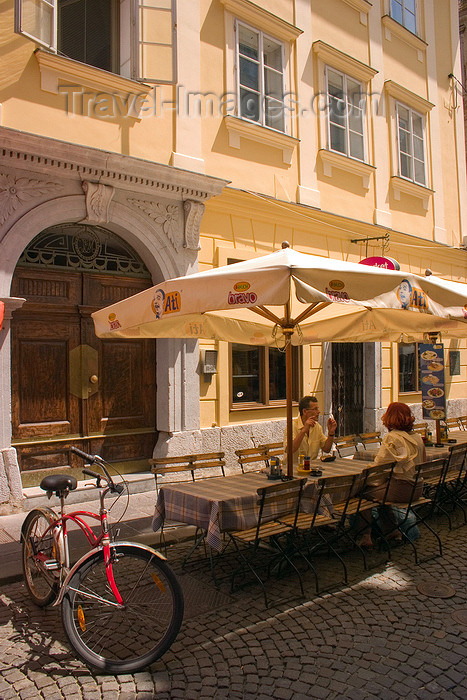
{"type": "Point", "coordinates": [192, 464]}
{"type": "Point", "coordinates": [370, 438]}
{"type": "Point", "coordinates": [252, 459]}
{"type": "Point", "coordinates": [421, 429]}
{"type": "Point", "coordinates": [345, 441]}
{"type": "Point", "coordinates": [258, 457]}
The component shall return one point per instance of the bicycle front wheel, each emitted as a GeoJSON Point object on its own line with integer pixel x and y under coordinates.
{"type": "Point", "coordinates": [41, 557]}
{"type": "Point", "coordinates": [123, 639]}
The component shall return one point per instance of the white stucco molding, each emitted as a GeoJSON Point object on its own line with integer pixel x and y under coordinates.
{"type": "Point", "coordinates": [342, 61]}
{"type": "Point", "coordinates": [363, 7]}
{"type": "Point", "coordinates": [60, 70]}
{"type": "Point", "coordinates": [262, 19]}
{"type": "Point", "coordinates": [331, 160]}
{"type": "Point", "coordinates": [98, 198]}
{"type": "Point", "coordinates": [392, 27]}
{"type": "Point", "coordinates": [399, 92]}
{"type": "Point", "coordinates": [400, 184]}
{"type": "Point", "coordinates": [242, 129]}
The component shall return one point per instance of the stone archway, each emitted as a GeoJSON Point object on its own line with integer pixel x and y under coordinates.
{"type": "Point", "coordinates": [68, 387]}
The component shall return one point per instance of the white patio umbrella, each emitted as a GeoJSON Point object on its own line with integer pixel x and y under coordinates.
{"type": "Point", "coordinates": [289, 298]}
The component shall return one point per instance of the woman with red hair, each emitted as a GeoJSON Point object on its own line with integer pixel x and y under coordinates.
{"type": "Point", "coordinates": [407, 449]}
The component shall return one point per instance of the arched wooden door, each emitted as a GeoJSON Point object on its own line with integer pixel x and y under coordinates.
{"type": "Point", "coordinates": [68, 387]}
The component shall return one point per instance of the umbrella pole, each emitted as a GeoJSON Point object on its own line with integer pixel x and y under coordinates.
{"type": "Point", "coordinates": [288, 384]}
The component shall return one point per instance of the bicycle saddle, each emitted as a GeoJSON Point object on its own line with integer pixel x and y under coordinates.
{"type": "Point", "coordinates": [58, 482]}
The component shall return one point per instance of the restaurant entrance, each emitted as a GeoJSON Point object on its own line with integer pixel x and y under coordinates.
{"type": "Point", "coordinates": [347, 387]}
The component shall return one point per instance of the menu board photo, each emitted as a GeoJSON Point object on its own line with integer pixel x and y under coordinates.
{"type": "Point", "coordinates": [432, 380]}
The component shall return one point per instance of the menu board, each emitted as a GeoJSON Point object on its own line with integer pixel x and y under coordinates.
{"type": "Point", "coordinates": [432, 380]}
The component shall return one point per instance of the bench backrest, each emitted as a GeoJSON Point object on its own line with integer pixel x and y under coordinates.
{"type": "Point", "coordinates": [194, 465]}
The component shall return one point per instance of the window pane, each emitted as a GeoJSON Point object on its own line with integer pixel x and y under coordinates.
{"type": "Point", "coordinates": [37, 20]}
{"type": "Point", "coordinates": [408, 367]}
{"type": "Point", "coordinates": [417, 123]}
{"type": "Point", "coordinates": [275, 114]}
{"type": "Point", "coordinates": [249, 73]}
{"type": "Point", "coordinates": [277, 388]}
{"type": "Point", "coordinates": [418, 148]}
{"type": "Point", "coordinates": [245, 373]}
{"type": "Point", "coordinates": [396, 11]}
{"type": "Point", "coordinates": [249, 105]}
{"type": "Point", "coordinates": [410, 22]}
{"type": "Point", "coordinates": [337, 139]}
{"type": "Point", "coordinates": [273, 84]}
{"type": "Point", "coordinates": [356, 146]}
{"type": "Point", "coordinates": [337, 109]}
{"type": "Point", "coordinates": [404, 117]}
{"type": "Point", "coordinates": [272, 52]}
{"type": "Point", "coordinates": [404, 141]}
{"type": "Point", "coordinates": [248, 42]}
{"type": "Point", "coordinates": [405, 165]}
{"type": "Point", "coordinates": [419, 175]}
{"type": "Point", "coordinates": [356, 120]}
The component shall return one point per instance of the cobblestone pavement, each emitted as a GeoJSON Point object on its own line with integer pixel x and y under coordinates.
{"type": "Point", "coordinates": [379, 637]}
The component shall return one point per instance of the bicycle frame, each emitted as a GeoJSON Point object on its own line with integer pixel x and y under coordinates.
{"type": "Point", "coordinates": [97, 542]}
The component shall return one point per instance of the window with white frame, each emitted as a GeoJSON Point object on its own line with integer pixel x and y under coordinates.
{"type": "Point", "coordinates": [260, 77]}
{"type": "Point", "coordinates": [133, 38]}
{"type": "Point", "coordinates": [405, 12]}
{"type": "Point", "coordinates": [345, 109]}
{"type": "Point", "coordinates": [411, 144]}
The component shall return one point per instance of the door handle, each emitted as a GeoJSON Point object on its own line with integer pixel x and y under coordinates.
{"type": "Point", "coordinates": [93, 379]}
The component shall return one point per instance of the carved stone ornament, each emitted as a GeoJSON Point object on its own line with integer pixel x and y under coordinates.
{"type": "Point", "coordinates": [98, 198]}
{"type": "Point", "coordinates": [193, 214]}
{"type": "Point", "coordinates": [16, 191]}
{"type": "Point", "coordinates": [167, 216]}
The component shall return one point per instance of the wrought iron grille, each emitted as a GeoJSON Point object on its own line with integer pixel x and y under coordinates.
{"type": "Point", "coordinates": [347, 387]}
{"type": "Point", "coordinates": [84, 248]}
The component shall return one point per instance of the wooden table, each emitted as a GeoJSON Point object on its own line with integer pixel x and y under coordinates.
{"type": "Point", "coordinates": [218, 504]}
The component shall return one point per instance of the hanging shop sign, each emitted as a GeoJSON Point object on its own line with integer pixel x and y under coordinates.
{"type": "Point", "coordinates": [385, 263]}
{"type": "Point", "coordinates": [432, 380]}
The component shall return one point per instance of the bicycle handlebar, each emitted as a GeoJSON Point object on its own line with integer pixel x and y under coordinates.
{"type": "Point", "coordinates": [97, 459]}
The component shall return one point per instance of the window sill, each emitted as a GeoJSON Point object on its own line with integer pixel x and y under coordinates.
{"type": "Point", "coordinates": [392, 27]}
{"type": "Point", "coordinates": [262, 19]}
{"type": "Point", "coordinates": [362, 6]}
{"type": "Point", "coordinates": [241, 128]}
{"type": "Point", "coordinates": [55, 68]}
{"type": "Point", "coordinates": [331, 160]}
{"type": "Point", "coordinates": [400, 184]}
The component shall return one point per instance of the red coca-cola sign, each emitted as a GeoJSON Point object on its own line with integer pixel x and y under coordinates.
{"type": "Point", "coordinates": [2, 313]}
{"type": "Point", "coordinates": [385, 263]}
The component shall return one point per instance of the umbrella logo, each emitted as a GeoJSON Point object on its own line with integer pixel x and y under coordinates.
{"type": "Point", "coordinates": [114, 322]}
{"type": "Point", "coordinates": [335, 291]}
{"type": "Point", "coordinates": [242, 286]}
{"type": "Point", "coordinates": [163, 303]}
{"type": "Point", "coordinates": [411, 297]}
{"type": "Point", "coordinates": [242, 297]}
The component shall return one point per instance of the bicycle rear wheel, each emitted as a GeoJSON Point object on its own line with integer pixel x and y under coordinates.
{"type": "Point", "coordinates": [40, 550]}
{"type": "Point", "coordinates": [123, 640]}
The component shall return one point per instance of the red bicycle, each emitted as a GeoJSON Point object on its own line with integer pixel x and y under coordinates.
{"type": "Point", "coordinates": [122, 606]}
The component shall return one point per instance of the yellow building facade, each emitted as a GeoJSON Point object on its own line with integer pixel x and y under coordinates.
{"type": "Point", "coordinates": [145, 139]}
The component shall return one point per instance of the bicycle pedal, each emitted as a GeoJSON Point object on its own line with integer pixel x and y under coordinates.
{"type": "Point", "coordinates": [51, 564]}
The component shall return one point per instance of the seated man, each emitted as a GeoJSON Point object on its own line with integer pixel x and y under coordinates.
{"type": "Point", "coordinates": [307, 434]}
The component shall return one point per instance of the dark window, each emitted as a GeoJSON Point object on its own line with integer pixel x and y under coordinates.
{"type": "Point", "coordinates": [88, 31]}
{"type": "Point", "coordinates": [408, 368]}
{"type": "Point", "coordinates": [258, 375]}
